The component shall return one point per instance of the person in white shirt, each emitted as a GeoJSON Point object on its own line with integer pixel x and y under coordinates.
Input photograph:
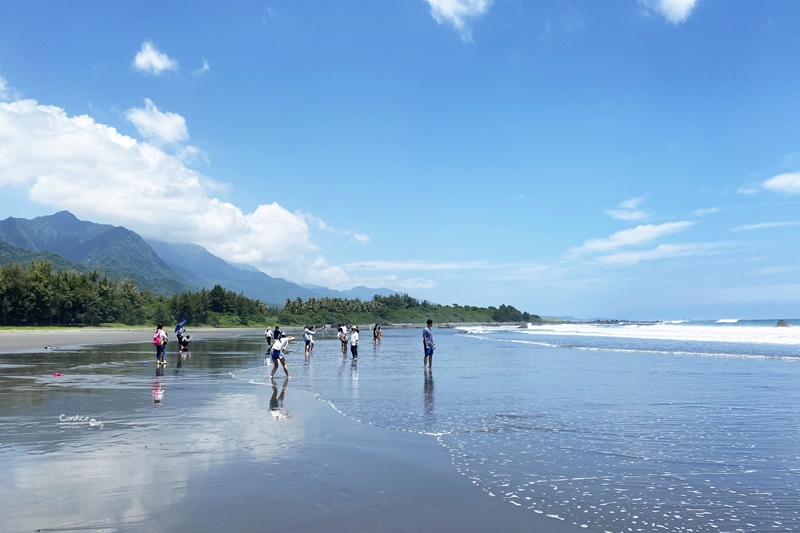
{"type": "Point", "coordinates": [308, 337]}
{"type": "Point", "coordinates": [354, 341]}
{"type": "Point", "coordinates": [278, 346]}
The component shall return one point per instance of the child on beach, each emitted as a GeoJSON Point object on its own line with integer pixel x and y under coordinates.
{"type": "Point", "coordinates": [161, 349]}
{"type": "Point", "coordinates": [278, 346]}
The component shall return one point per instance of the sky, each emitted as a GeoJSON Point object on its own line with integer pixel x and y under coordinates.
{"type": "Point", "coordinates": [636, 159]}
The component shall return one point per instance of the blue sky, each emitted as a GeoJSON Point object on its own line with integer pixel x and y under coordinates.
{"type": "Point", "coordinates": [634, 159]}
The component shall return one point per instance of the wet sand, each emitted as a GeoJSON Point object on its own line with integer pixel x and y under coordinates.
{"type": "Point", "coordinates": [40, 340]}
{"type": "Point", "coordinates": [214, 455]}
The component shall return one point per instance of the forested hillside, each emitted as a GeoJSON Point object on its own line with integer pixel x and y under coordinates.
{"type": "Point", "coordinates": [40, 295]}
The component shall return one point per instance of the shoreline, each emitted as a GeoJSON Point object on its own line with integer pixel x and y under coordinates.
{"type": "Point", "coordinates": [45, 340]}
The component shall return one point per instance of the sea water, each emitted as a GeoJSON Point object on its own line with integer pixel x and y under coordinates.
{"type": "Point", "coordinates": [623, 427]}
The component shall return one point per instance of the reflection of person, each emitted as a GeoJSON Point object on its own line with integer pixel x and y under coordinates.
{"type": "Point", "coordinates": [276, 407]}
{"type": "Point", "coordinates": [428, 393]}
{"type": "Point", "coordinates": [157, 392]}
{"type": "Point", "coordinates": [428, 344]}
{"type": "Point", "coordinates": [354, 341]}
{"type": "Point", "coordinates": [278, 346]}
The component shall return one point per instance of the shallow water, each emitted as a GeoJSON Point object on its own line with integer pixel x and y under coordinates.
{"type": "Point", "coordinates": [612, 434]}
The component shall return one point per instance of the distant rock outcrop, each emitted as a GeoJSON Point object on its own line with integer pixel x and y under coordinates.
{"type": "Point", "coordinates": [783, 324]}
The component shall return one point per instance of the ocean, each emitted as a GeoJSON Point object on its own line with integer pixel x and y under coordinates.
{"type": "Point", "coordinates": [680, 426]}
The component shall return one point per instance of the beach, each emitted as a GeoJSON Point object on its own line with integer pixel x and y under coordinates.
{"type": "Point", "coordinates": [111, 446]}
{"type": "Point", "coordinates": [564, 428]}
{"type": "Point", "coordinates": [32, 340]}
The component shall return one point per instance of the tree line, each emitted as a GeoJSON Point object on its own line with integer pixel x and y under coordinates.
{"type": "Point", "coordinates": [39, 295]}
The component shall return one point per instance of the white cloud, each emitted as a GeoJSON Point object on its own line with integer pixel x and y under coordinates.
{"type": "Point", "coordinates": [662, 251]}
{"type": "Point", "coordinates": [675, 11]}
{"type": "Point", "coordinates": [770, 271]}
{"type": "Point", "coordinates": [203, 69]}
{"type": "Point", "coordinates": [99, 174]}
{"type": "Point", "coordinates": [788, 183]}
{"type": "Point", "coordinates": [5, 91]}
{"type": "Point", "coordinates": [706, 211]}
{"type": "Point", "coordinates": [397, 266]}
{"type": "Point", "coordinates": [152, 61]}
{"type": "Point", "coordinates": [459, 13]}
{"type": "Point", "coordinates": [632, 237]}
{"type": "Point", "coordinates": [629, 210]}
{"type": "Point", "coordinates": [156, 126]}
{"type": "Point", "coordinates": [319, 224]}
{"type": "Point", "coordinates": [765, 225]}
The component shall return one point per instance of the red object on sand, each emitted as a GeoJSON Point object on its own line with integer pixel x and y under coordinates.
{"type": "Point", "coordinates": [57, 374]}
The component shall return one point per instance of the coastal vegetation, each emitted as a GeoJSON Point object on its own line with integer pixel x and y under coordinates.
{"type": "Point", "coordinates": [40, 295]}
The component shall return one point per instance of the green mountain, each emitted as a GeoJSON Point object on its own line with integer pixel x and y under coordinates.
{"type": "Point", "coordinates": [201, 268]}
{"type": "Point", "coordinates": [160, 267]}
{"type": "Point", "coordinates": [117, 252]}
{"type": "Point", "coordinates": [13, 254]}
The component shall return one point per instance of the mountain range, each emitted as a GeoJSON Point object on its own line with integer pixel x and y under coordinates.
{"type": "Point", "coordinates": [160, 267]}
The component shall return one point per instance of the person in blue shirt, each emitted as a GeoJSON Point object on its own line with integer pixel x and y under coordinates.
{"type": "Point", "coordinates": [428, 344]}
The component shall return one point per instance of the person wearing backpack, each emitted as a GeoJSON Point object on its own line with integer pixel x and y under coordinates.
{"type": "Point", "coordinates": [160, 341]}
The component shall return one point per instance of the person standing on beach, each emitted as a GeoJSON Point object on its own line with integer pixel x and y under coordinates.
{"type": "Point", "coordinates": [268, 335]}
{"type": "Point", "coordinates": [308, 337]}
{"type": "Point", "coordinates": [183, 343]}
{"type": "Point", "coordinates": [278, 346]}
{"type": "Point", "coordinates": [428, 344]}
{"type": "Point", "coordinates": [343, 338]}
{"type": "Point", "coordinates": [354, 341]}
{"type": "Point", "coordinates": [161, 349]}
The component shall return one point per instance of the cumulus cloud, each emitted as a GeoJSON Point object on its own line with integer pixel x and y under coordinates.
{"type": "Point", "coordinates": [788, 183]}
{"type": "Point", "coordinates": [151, 60]}
{"type": "Point", "coordinates": [75, 163]}
{"type": "Point", "coordinates": [675, 11]}
{"type": "Point", "coordinates": [632, 237]}
{"type": "Point", "coordinates": [629, 210]}
{"type": "Point", "coordinates": [459, 13]}
{"type": "Point", "coordinates": [156, 126]}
